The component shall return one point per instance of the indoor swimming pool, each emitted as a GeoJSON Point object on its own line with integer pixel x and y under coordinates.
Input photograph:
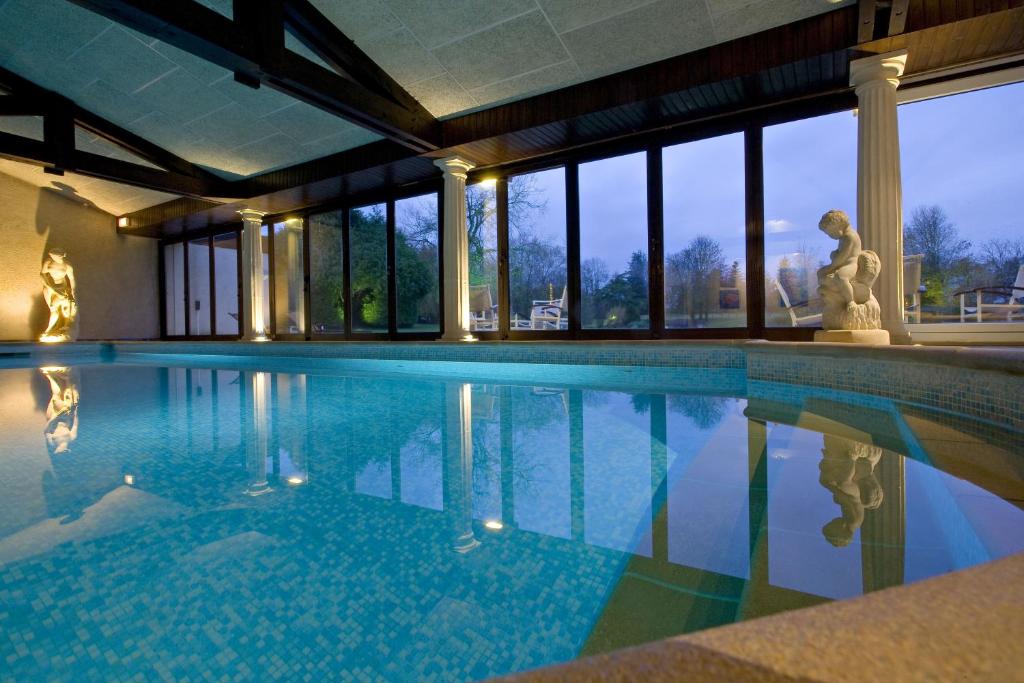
{"type": "Point", "coordinates": [202, 517]}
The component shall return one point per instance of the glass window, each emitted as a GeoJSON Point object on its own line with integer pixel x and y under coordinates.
{"type": "Point", "coordinates": [416, 265]}
{"type": "Point", "coordinates": [482, 225]}
{"type": "Point", "coordinates": [265, 246]}
{"type": "Point", "coordinates": [225, 271]}
{"type": "Point", "coordinates": [368, 256]}
{"type": "Point", "coordinates": [199, 286]}
{"type": "Point", "coordinates": [613, 242]}
{"type": "Point", "coordinates": [538, 295]}
{"type": "Point", "coordinates": [810, 167]}
{"type": "Point", "coordinates": [174, 288]}
{"type": "Point", "coordinates": [705, 233]}
{"type": "Point", "coordinates": [961, 158]}
{"type": "Point", "coordinates": [289, 296]}
{"type": "Point", "coordinates": [326, 273]}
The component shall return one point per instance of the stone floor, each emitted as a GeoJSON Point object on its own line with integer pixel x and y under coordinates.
{"type": "Point", "coordinates": [965, 626]}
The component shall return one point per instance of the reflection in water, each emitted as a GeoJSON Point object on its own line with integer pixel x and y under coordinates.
{"type": "Point", "coordinates": [848, 471]}
{"type": "Point", "coordinates": [452, 518]}
{"type": "Point", "coordinates": [62, 411]}
{"type": "Point", "coordinates": [257, 411]}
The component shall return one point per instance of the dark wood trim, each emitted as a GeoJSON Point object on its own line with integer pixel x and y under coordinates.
{"type": "Point", "coordinates": [346, 270]}
{"type": "Point", "coordinates": [754, 189]}
{"type": "Point", "coordinates": [392, 267]}
{"type": "Point", "coordinates": [194, 28]}
{"type": "Point", "coordinates": [572, 245]}
{"type": "Point", "coordinates": [655, 243]}
{"type": "Point", "coordinates": [501, 200]}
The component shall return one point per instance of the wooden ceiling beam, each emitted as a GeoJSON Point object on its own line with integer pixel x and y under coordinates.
{"type": "Point", "coordinates": [237, 46]}
{"type": "Point", "coordinates": [866, 11]}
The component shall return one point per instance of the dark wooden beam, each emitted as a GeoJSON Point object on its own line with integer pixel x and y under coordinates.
{"type": "Point", "coordinates": [21, 105]}
{"type": "Point", "coordinates": [55, 156]}
{"type": "Point", "coordinates": [321, 36]}
{"type": "Point", "coordinates": [190, 26]}
{"type": "Point", "coordinates": [42, 102]}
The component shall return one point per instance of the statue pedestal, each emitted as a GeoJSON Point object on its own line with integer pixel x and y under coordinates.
{"type": "Point", "coordinates": [868, 337]}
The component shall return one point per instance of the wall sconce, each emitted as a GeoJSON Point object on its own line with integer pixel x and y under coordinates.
{"type": "Point", "coordinates": [122, 222]}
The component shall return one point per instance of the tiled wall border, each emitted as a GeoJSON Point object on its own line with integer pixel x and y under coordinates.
{"type": "Point", "coordinates": [986, 384]}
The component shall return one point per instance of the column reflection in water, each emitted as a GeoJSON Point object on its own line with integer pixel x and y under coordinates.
{"type": "Point", "coordinates": [290, 428]}
{"type": "Point", "coordinates": [257, 412]}
{"type": "Point", "coordinates": [457, 442]}
{"type": "Point", "coordinates": [62, 410]}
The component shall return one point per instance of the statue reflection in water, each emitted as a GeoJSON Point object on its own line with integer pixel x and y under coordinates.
{"type": "Point", "coordinates": [62, 411]}
{"type": "Point", "coordinates": [848, 471]}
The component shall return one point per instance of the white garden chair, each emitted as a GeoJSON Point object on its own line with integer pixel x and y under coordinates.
{"type": "Point", "coordinates": [811, 320]}
{"type": "Point", "coordinates": [1013, 304]}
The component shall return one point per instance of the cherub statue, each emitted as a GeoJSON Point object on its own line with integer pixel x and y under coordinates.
{"type": "Point", "coordinates": [845, 283]}
{"type": "Point", "coordinates": [59, 295]}
{"type": "Point", "coordinates": [848, 471]}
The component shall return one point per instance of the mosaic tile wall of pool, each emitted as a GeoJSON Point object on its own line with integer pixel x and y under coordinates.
{"type": "Point", "coordinates": [211, 521]}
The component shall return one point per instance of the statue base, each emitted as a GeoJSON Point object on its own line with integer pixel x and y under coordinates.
{"type": "Point", "coordinates": [867, 337]}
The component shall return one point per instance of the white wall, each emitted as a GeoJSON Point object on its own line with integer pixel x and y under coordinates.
{"type": "Point", "coordinates": [116, 275]}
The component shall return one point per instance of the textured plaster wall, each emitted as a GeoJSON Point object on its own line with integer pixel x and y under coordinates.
{"type": "Point", "coordinates": [116, 275]}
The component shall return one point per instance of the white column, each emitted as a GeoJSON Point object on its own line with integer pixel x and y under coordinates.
{"type": "Point", "coordinates": [879, 188]}
{"type": "Point", "coordinates": [252, 276]}
{"type": "Point", "coordinates": [456, 250]}
{"type": "Point", "coordinates": [457, 450]}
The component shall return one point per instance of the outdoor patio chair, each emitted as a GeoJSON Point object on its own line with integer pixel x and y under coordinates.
{"type": "Point", "coordinates": [483, 314]}
{"type": "Point", "coordinates": [547, 314]}
{"type": "Point", "coordinates": [1012, 299]}
{"type": "Point", "coordinates": [812, 320]}
{"type": "Point", "coordinates": [912, 288]}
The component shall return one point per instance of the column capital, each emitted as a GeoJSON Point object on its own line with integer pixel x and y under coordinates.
{"type": "Point", "coordinates": [252, 215]}
{"type": "Point", "coordinates": [455, 166]}
{"type": "Point", "coordinates": [886, 67]}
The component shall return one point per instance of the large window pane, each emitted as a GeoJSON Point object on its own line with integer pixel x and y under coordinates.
{"type": "Point", "coordinates": [613, 242]}
{"type": "Point", "coordinates": [482, 225]}
{"type": "Point", "coordinates": [705, 233]}
{"type": "Point", "coordinates": [961, 158]}
{"type": "Point", "coordinates": [538, 296]}
{"type": "Point", "coordinates": [199, 286]}
{"type": "Point", "coordinates": [288, 275]}
{"type": "Point", "coordinates": [369, 263]}
{"type": "Point", "coordinates": [174, 288]}
{"type": "Point", "coordinates": [810, 166]}
{"type": "Point", "coordinates": [416, 271]}
{"type": "Point", "coordinates": [225, 269]}
{"type": "Point", "coordinates": [326, 273]}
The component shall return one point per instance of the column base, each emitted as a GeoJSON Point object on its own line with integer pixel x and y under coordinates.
{"type": "Point", "coordinates": [866, 337]}
{"type": "Point", "coordinates": [461, 338]}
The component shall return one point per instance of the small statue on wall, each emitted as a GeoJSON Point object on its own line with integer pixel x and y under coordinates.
{"type": "Point", "coordinates": [845, 286]}
{"type": "Point", "coordinates": [59, 294]}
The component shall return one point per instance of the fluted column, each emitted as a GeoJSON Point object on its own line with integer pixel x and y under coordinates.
{"type": "Point", "coordinates": [252, 276]}
{"type": "Point", "coordinates": [879, 188]}
{"type": "Point", "coordinates": [456, 250]}
{"type": "Point", "coordinates": [458, 461]}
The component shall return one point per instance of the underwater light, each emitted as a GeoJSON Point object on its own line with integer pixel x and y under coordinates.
{"type": "Point", "coordinates": [295, 480]}
{"type": "Point", "coordinates": [494, 525]}
{"type": "Point", "coordinates": [129, 479]}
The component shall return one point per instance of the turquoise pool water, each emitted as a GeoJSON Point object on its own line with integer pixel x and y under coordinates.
{"type": "Point", "coordinates": [189, 518]}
